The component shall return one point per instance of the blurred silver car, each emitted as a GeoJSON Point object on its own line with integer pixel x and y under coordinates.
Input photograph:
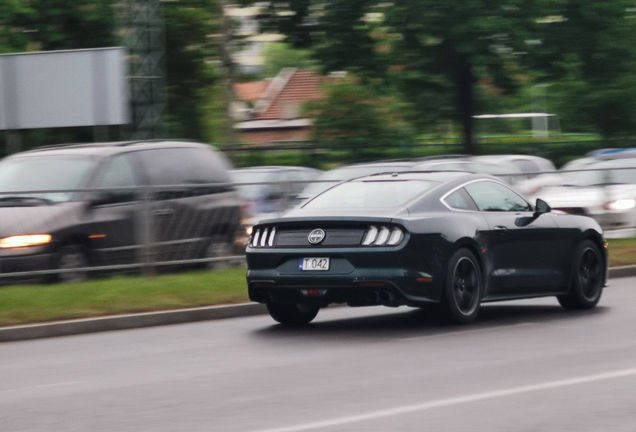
{"type": "Point", "coordinates": [348, 172]}
{"type": "Point", "coordinates": [604, 190]}
{"type": "Point", "coordinates": [523, 171]}
{"type": "Point", "coordinates": [268, 191]}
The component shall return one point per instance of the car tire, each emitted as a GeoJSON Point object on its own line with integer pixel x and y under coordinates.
{"type": "Point", "coordinates": [292, 314]}
{"type": "Point", "coordinates": [71, 257]}
{"type": "Point", "coordinates": [463, 287]}
{"type": "Point", "coordinates": [218, 247]}
{"type": "Point", "coordinates": [587, 278]}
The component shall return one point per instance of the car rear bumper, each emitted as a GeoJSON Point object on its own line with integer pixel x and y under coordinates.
{"type": "Point", "coordinates": [360, 287]}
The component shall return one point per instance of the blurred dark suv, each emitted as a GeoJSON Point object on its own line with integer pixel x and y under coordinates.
{"type": "Point", "coordinates": [74, 206]}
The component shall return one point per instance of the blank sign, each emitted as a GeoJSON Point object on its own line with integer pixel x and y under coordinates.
{"type": "Point", "coordinates": [63, 89]}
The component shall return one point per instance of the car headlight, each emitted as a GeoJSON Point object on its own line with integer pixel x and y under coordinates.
{"type": "Point", "coordinates": [621, 204]}
{"type": "Point", "coordinates": [25, 241]}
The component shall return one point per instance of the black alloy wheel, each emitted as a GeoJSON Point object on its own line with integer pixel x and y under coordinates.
{"type": "Point", "coordinates": [587, 278]}
{"type": "Point", "coordinates": [463, 288]}
{"type": "Point", "coordinates": [292, 315]}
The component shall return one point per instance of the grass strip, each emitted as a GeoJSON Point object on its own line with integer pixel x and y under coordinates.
{"type": "Point", "coordinates": [23, 304]}
{"type": "Point", "coordinates": [622, 252]}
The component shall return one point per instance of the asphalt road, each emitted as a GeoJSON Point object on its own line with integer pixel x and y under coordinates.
{"type": "Point", "coordinates": [523, 366]}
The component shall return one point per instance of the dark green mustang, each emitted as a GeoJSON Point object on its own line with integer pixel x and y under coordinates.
{"type": "Point", "coordinates": [450, 238]}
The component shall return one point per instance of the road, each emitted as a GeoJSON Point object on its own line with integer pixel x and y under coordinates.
{"type": "Point", "coordinates": [523, 366]}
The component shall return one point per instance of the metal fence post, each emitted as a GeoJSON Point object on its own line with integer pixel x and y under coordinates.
{"type": "Point", "coordinates": [147, 234]}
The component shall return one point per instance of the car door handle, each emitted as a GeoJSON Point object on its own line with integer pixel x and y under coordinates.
{"type": "Point", "coordinates": [163, 212]}
{"type": "Point", "coordinates": [500, 227]}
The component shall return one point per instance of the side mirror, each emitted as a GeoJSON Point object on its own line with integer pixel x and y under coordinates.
{"type": "Point", "coordinates": [541, 207]}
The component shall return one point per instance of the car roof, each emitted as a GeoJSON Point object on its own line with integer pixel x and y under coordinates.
{"type": "Point", "coordinates": [434, 176]}
{"type": "Point", "coordinates": [274, 168]}
{"type": "Point", "coordinates": [106, 149]}
{"type": "Point", "coordinates": [394, 163]}
{"type": "Point", "coordinates": [618, 162]}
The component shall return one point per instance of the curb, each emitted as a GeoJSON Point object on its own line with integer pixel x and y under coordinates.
{"type": "Point", "coordinates": [621, 272]}
{"type": "Point", "coordinates": [129, 321]}
{"type": "Point", "coordinates": [151, 319]}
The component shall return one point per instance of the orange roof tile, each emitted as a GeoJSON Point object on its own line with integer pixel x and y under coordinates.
{"type": "Point", "coordinates": [301, 86]}
{"type": "Point", "coordinates": [251, 91]}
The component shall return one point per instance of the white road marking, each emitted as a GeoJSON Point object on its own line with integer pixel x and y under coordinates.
{"type": "Point", "coordinates": [463, 332]}
{"type": "Point", "coordinates": [42, 386]}
{"type": "Point", "coordinates": [454, 401]}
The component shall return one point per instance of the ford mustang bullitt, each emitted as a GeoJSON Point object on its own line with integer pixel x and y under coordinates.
{"type": "Point", "coordinates": [420, 238]}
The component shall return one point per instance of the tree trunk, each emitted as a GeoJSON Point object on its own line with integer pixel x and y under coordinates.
{"type": "Point", "coordinates": [465, 80]}
{"type": "Point", "coordinates": [227, 76]}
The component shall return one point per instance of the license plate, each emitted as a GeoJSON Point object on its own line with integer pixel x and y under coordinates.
{"type": "Point", "coordinates": [313, 264]}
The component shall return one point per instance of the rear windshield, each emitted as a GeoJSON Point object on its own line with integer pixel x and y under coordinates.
{"type": "Point", "coordinates": [57, 173]}
{"type": "Point", "coordinates": [370, 194]}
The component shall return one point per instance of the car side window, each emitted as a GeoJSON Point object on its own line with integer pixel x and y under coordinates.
{"type": "Point", "coordinates": [460, 200]}
{"type": "Point", "coordinates": [491, 196]}
{"type": "Point", "coordinates": [193, 169]}
{"type": "Point", "coordinates": [119, 174]}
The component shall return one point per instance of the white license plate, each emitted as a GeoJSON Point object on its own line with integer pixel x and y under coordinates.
{"type": "Point", "coordinates": [313, 264]}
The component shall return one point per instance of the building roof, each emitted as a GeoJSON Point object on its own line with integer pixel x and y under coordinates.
{"type": "Point", "coordinates": [251, 91]}
{"type": "Point", "coordinates": [290, 89]}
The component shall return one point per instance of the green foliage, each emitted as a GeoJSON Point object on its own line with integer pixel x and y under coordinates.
{"type": "Point", "coordinates": [583, 48]}
{"type": "Point", "coordinates": [282, 55]}
{"type": "Point", "coordinates": [63, 24]}
{"type": "Point", "coordinates": [191, 76]}
{"type": "Point", "coordinates": [354, 116]}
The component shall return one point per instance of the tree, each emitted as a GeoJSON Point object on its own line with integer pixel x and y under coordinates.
{"type": "Point", "coordinates": [64, 24]}
{"type": "Point", "coordinates": [435, 51]}
{"type": "Point", "coordinates": [281, 55]}
{"type": "Point", "coordinates": [354, 117]}
{"type": "Point", "coordinates": [191, 70]}
{"type": "Point", "coordinates": [587, 53]}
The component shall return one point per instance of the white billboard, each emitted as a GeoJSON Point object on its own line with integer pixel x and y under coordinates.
{"type": "Point", "coordinates": [63, 89]}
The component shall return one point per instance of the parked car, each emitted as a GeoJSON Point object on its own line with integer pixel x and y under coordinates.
{"type": "Point", "coordinates": [604, 190]}
{"type": "Point", "coordinates": [74, 206]}
{"type": "Point", "coordinates": [348, 172]}
{"type": "Point", "coordinates": [416, 239]}
{"type": "Point", "coordinates": [532, 187]}
{"type": "Point", "coordinates": [523, 171]}
{"type": "Point", "coordinates": [471, 165]}
{"type": "Point", "coordinates": [268, 191]}
{"type": "Point", "coordinates": [272, 189]}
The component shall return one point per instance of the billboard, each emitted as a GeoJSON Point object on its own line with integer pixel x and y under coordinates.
{"type": "Point", "coordinates": [63, 89]}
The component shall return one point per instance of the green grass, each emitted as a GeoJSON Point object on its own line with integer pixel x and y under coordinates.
{"type": "Point", "coordinates": [622, 252]}
{"type": "Point", "coordinates": [122, 294]}
{"type": "Point", "coordinates": [22, 304]}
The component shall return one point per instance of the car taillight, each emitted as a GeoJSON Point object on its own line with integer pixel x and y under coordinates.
{"type": "Point", "coordinates": [263, 237]}
{"type": "Point", "coordinates": [382, 236]}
